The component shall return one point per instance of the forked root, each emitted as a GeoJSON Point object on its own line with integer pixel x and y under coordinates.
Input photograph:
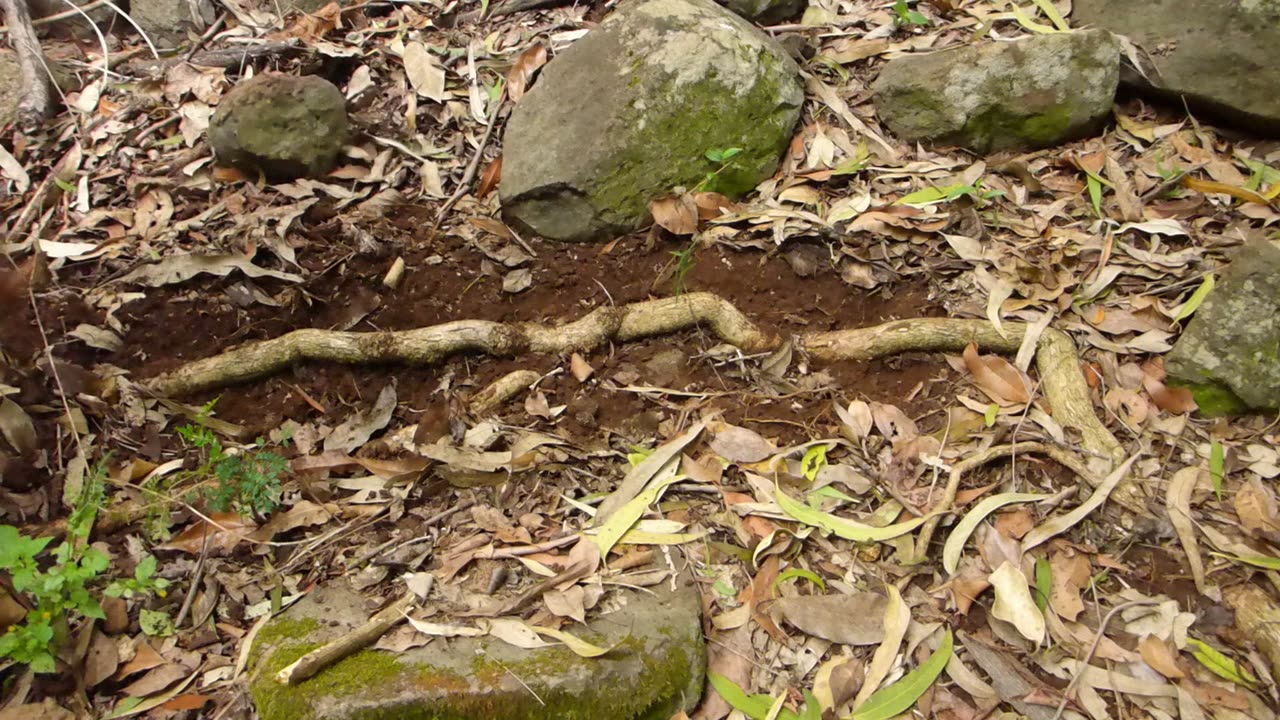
{"type": "Point", "coordinates": [1060, 375]}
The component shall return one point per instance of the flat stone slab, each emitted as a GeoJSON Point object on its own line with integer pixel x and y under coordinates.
{"type": "Point", "coordinates": [656, 669]}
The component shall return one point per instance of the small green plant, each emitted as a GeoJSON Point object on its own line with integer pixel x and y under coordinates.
{"type": "Point", "coordinates": [247, 482]}
{"type": "Point", "coordinates": [62, 590]}
{"type": "Point", "coordinates": [931, 195]}
{"type": "Point", "coordinates": [684, 258]}
{"type": "Point", "coordinates": [906, 16]}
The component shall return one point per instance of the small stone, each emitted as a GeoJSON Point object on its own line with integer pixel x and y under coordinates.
{"type": "Point", "coordinates": [629, 112]}
{"type": "Point", "coordinates": [285, 126]}
{"type": "Point", "coordinates": [654, 670]}
{"type": "Point", "coordinates": [1218, 54]}
{"type": "Point", "coordinates": [1229, 355]}
{"type": "Point", "coordinates": [1029, 94]}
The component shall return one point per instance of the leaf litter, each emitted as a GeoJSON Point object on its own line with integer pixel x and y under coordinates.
{"type": "Point", "coordinates": [1092, 238]}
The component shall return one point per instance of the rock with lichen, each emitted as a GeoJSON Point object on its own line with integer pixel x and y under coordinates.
{"type": "Point", "coordinates": [1032, 93]}
{"type": "Point", "coordinates": [653, 670]}
{"type": "Point", "coordinates": [1216, 55]}
{"type": "Point", "coordinates": [630, 112]}
{"type": "Point", "coordinates": [1229, 355]}
{"type": "Point", "coordinates": [283, 126]}
{"type": "Point", "coordinates": [11, 84]}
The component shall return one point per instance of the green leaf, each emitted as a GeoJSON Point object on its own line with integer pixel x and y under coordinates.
{"type": "Point", "coordinates": [1217, 463]}
{"type": "Point", "coordinates": [992, 412]}
{"type": "Point", "coordinates": [1219, 664]}
{"type": "Point", "coordinates": [812, 709]}
{"type": "Point", "coordinates": [1193, 303]}
{"type": "Point", "coordinates": [815, 458]}
{"type": "Point", "coordinates": [1266, 562]}
{"type": "Point", "coordinates": [899, 697]}
{"type": "Point", "coordinates": [796, 572]}
{"type": "Point", "coordinates": [841, 527]}
{"type": "Point", "coordinates": [954, 546]}
{"type": "Point", "coordinates": [1051, 12]}
{"type": "Point", "coordinates": [1044, 582]}
{"type": "Point", "coordinates": [1095, 193]}
{"type": "Point", "coordinates": [753, 706]}
{"type": "Point", "coordinates": [155, 623]}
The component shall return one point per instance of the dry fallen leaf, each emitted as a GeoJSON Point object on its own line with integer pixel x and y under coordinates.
{"type": "Point", "coordinates": [677, 214]}
{"type": "Point", "coordinates": [523, 69]}
{"type": "Point", "coordinates": [997, 377]}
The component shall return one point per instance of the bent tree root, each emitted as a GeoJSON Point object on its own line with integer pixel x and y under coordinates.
{"type": "Point", "coordinates": [1056, 359]}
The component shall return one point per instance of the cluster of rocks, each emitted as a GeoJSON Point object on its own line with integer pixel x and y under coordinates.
{"type": "Point", "coordinates": [630, 111]}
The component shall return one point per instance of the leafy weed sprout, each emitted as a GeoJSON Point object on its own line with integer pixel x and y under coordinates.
{"type": "Point", "coordinates": [684, 258]}
{"type": "Point", "coordinates": [61, 590]}
{"type": "Point", "coordinates": [247, 482]}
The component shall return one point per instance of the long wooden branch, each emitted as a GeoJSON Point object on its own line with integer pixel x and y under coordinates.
{"type": "Point", "coordinates": [1061, 377]}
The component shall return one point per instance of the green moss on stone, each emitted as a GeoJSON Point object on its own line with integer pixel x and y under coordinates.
{"type": "Point", "coordinates": [1215, 400]}
{"type": "Point", "coordinates": [685, 126]}
{"type": "Point", "coordinates": [656, 695]}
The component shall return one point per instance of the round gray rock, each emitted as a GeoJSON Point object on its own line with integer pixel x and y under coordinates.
{"type": "Point", "coordinates": [1033, 93]}
{"type": "Point", "coordinates": [655, 669]}
{"type": "Point", "coordinates": [284, 126]}
{"type": "Point", "coordinates": [630, 111]}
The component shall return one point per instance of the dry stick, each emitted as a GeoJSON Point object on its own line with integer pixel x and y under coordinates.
{"type": "Point", "coordinates": [474, 166]}
{"type": "Point", "coordinates": [464, 505]}
{"type": "Point", "coordinates": [348, 644]}
{"type": "Point", "coordinates": [947, 503]}
{"type": "Point", "coordinates": [34, 106]}
{"type": "Point", "coordinates": [503, 389]}
{"type": "Point", "coordinates": [1056, 359]}
{"type": "Point", "coordinates": [214, 29]}
{"type": "Point", "coordinates": [1088, 656]}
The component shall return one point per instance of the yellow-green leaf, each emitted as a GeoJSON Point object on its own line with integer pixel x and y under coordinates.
{"type": "Point", "coordinates": [1051, 11]}
{"type": "Point", "coordinates": [1193, 303]}
{"type": "Point", "coordinates": [841, 527]}
{"type": "Point", "coordinates": [900, 696]}
{"type": "Point", "coordinates": [580, 647]}
{"type": "Point", "coordinates": [954, 546]}
{"type": "Point", "coordinates": [1219, 664]}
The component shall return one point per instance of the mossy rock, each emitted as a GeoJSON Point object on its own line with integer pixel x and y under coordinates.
{"type": "Point", "coordinates": [1229, 355]}
{"type": "Point", "coordinates": [282, 125]}
{"type": "Point", "coordinates": [629, 112]}
{"type": "Point", "coordinates": [655, 669]}
{"type": "Point", "coordinates": [1029, 94]}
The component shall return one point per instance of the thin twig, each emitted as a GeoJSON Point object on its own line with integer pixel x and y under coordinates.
{"type": "Point", "coordinates": [474, 166]}
{"type": "Point", "coordinates": [1088, 656]}
{"type": "Point", "coordinates": [214, 29]}
{"type": "Point", "coordinates": [380, 549]}
{"type": "Point", "coordinates": [196, 577]}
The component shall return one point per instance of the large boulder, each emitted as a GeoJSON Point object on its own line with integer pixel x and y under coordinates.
{"type": "Point", "coordinates": [284, 126]}
{"type": "Point", "coordinates": [1219, 54]}
{"type": "Point", "coordinates": [1032, 93]}
{"type": "Point", "coordinates": [654, 670]}
{"type": "Point", "coordinates": [630, 111]}
{"type": "Point", "coordinates": [1229, 355]}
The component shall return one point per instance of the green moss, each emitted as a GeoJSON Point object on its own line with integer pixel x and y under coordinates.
{"type": "Point", "coordinates": [681, 128]}
{"type": "Point", "coordinates": [655, 695]}
{"type": "Point", "coordinates": [1216, 400]}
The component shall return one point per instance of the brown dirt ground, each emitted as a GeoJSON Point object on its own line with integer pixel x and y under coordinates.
{"type": "Point", "coordinates": [181, 323]}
